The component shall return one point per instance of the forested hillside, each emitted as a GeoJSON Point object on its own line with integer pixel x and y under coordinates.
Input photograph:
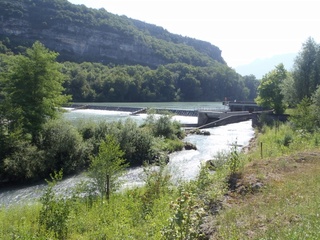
{"type": "Point", "coordinates": [107, 57]}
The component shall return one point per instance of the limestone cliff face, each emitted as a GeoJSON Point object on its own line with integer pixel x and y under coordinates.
{"type": "Point", "coordinates": [82, 34]}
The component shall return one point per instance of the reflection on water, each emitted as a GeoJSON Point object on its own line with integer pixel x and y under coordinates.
{"type": "Point", "coordinates": [184, 165]}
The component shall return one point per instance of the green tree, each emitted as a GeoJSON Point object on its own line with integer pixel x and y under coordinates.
{"type": "Point", "coordinates": [306, 70]}
{"type": "Point", "coordinates": [33, 87]}
{"type": "Point", "coordinates": [269, 91]}
{"type": "Point", "coordinates": [289, 91]}
{"type": "Point", "coordinates": [251, 83]}
{"type": "Point", "coordinates": [303, 116]}
{"type": "Point", "coordinates": [107, 166]}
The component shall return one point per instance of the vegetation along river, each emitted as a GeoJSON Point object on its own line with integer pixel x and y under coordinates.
{"type": "Point", "coordinates": [183, 165]}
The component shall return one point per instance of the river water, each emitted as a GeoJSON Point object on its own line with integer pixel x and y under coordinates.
{"type": "Point", "coordinates": [183, 165]}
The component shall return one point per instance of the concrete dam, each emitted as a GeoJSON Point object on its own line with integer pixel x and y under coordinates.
{"type": "Point", "coordinates": [206, 118]}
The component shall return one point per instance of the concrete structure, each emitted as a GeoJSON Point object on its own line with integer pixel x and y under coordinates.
{"type": "Point", "coordinates": [207, 119]}
{"type": "Point", "coordinates": [249, 106]}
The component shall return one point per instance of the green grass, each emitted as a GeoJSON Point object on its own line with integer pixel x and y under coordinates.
{"type": "Point", "coordinates": [288, 206]}
{"type": "Point", "coordinates": [123, 217]}
{"type": "Point", "coordinates": [282, 141]}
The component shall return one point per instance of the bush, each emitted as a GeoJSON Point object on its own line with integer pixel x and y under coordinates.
{"type": "Point", "coordinates": [25, 163]}
{"type": "Point", "coordinates": [135, 142]}
{"type": "Point", "coordinates": [55, 210]}
{"type": "Point", "coordinates": [64, 147]}
{"type": "Point", "coordinates": [163, 126]}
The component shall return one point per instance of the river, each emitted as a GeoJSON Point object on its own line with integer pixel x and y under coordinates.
{"type": "Point", "coordinates": [183, 165]}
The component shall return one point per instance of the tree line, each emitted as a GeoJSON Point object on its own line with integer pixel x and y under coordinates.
{"type": "Point", "coordinates": [90, 82]}
{"type": "Point", "coordinates": [296, 92]}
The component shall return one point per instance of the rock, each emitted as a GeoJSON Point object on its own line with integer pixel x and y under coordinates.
{"type": "Point", "coordinates": [189, 146]}
{"type": "Point", "coordinates": [205, 133]}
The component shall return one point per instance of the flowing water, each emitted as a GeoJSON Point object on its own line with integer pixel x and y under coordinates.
{"type": "Point", "coordinates": [183, 165]}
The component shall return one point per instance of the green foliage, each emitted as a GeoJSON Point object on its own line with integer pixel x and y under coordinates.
{"type": "Point", "coordinates": [164, 126]}
{"type": "Point", "coordinates": [88, 82]}
{"type": "Point", "coordinates": [33, 89]}
{"type": "Point", "coordinates": [284, 140]}
{"type": "Point", "coordinates": [26, 162]}
{"type": "Point", "coordinates": [136, 142]}
{"type": "Point", "coordinates": [55, 210]}
{"type": "Point", "coordinates": [269, 91]}
{"type": "Point", "coordinates": [63, 147]}
{"type": "Point", "coordinates": [186, 220]}
{"type": "Point", "coordinates": [234, 161]}
{"type": "Point", "coordinates": [107, 166]}
{"type": "Point", "coordinates": [157, 182]}
{"type": "Point", "coordinates": [303, 116]}
{"type": "Point", "coordinates": [306, 72]}
{"type": "Point", "coordinates": [289, 91]}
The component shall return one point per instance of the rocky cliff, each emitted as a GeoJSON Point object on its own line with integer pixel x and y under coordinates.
{"type": "Point", "coordinates": [82, 34]}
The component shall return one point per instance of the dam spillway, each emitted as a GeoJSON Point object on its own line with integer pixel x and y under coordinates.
{"type": "Point", "coordinates": [206, 118]}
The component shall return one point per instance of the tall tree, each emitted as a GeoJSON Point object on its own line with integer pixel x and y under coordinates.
{"type": "Point", "coordinates": [269, 91]}
{"type": "Point", "coordinates": [107, 166]}
{"type": "Point", "coordinates": [251, 82]}
{"type": "Point", "coordinates": [306, 71]}
{"type": "Point", "coordinates": [33, 89]}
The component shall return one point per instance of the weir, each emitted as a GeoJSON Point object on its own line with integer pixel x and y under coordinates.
{"type": "Point", "coordinates": [206, 118]}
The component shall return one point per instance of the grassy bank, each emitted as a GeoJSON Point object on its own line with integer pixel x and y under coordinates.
{"type": "Point", "coordinates": [277, 193]}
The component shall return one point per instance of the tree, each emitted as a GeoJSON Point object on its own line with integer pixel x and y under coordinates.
{"type": "Point", "coordinates": [107, 166]}
{"type": "Point", "coordinates": [303, 116]}
{"type": "Point", "coordinates": [306, 71]}
{"type": "Point", "coordinates": [289, 91]}
{"type": "Point", "coordinates": [251, 83]}
{"type": "Point", "coordinates": [33, 89]}
{"type": "Point", "coordinates": [269, 91]}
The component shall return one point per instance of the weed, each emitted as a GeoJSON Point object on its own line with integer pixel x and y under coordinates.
{"type": "Point", "coordinates": [55, 210]}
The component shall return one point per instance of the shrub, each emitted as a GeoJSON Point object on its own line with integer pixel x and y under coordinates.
{"type": "Point", "coordinates": [25, 163]}
{"type": "Point", "coordinates": [64, 147]}
{"type": "Point", "coordinates": [157, 181]}
{"type": "Point", "coordinates": [107, 166]}
{"type": "Point", "coordinates": [55, 209]}
{"type": "Point", "coordinates": [136, 142]}
{"type": "Point", "coordinates": [163, 126]}
{"type": "Point", "coordinates": [186, 220]}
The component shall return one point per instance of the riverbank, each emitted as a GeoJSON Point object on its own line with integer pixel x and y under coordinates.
{"type": "Point", "coordinates": [275, 196]}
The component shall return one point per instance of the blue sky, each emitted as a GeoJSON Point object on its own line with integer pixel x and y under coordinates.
{"type": "Point", "coordinates": [245, 30]}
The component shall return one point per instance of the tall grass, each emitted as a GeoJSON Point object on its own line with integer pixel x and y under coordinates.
{"type": "Point", "coordinates": [288, 206]}
{"type": "Point", "coordinates": [285, 209]}
{"type": "Point", "coordinates": [283, 140]}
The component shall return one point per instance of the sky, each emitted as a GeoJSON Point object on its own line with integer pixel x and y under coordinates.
{"type": "Point", "coordinates": [244, 30]}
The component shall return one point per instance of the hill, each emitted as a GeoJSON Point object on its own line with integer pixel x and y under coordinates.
{"type": "Point", "coordinates": [83, 34]}
{"type": "Point", "coordinates": [260, 67]}
{"type": "Point", "coordinates": [111, 58]}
